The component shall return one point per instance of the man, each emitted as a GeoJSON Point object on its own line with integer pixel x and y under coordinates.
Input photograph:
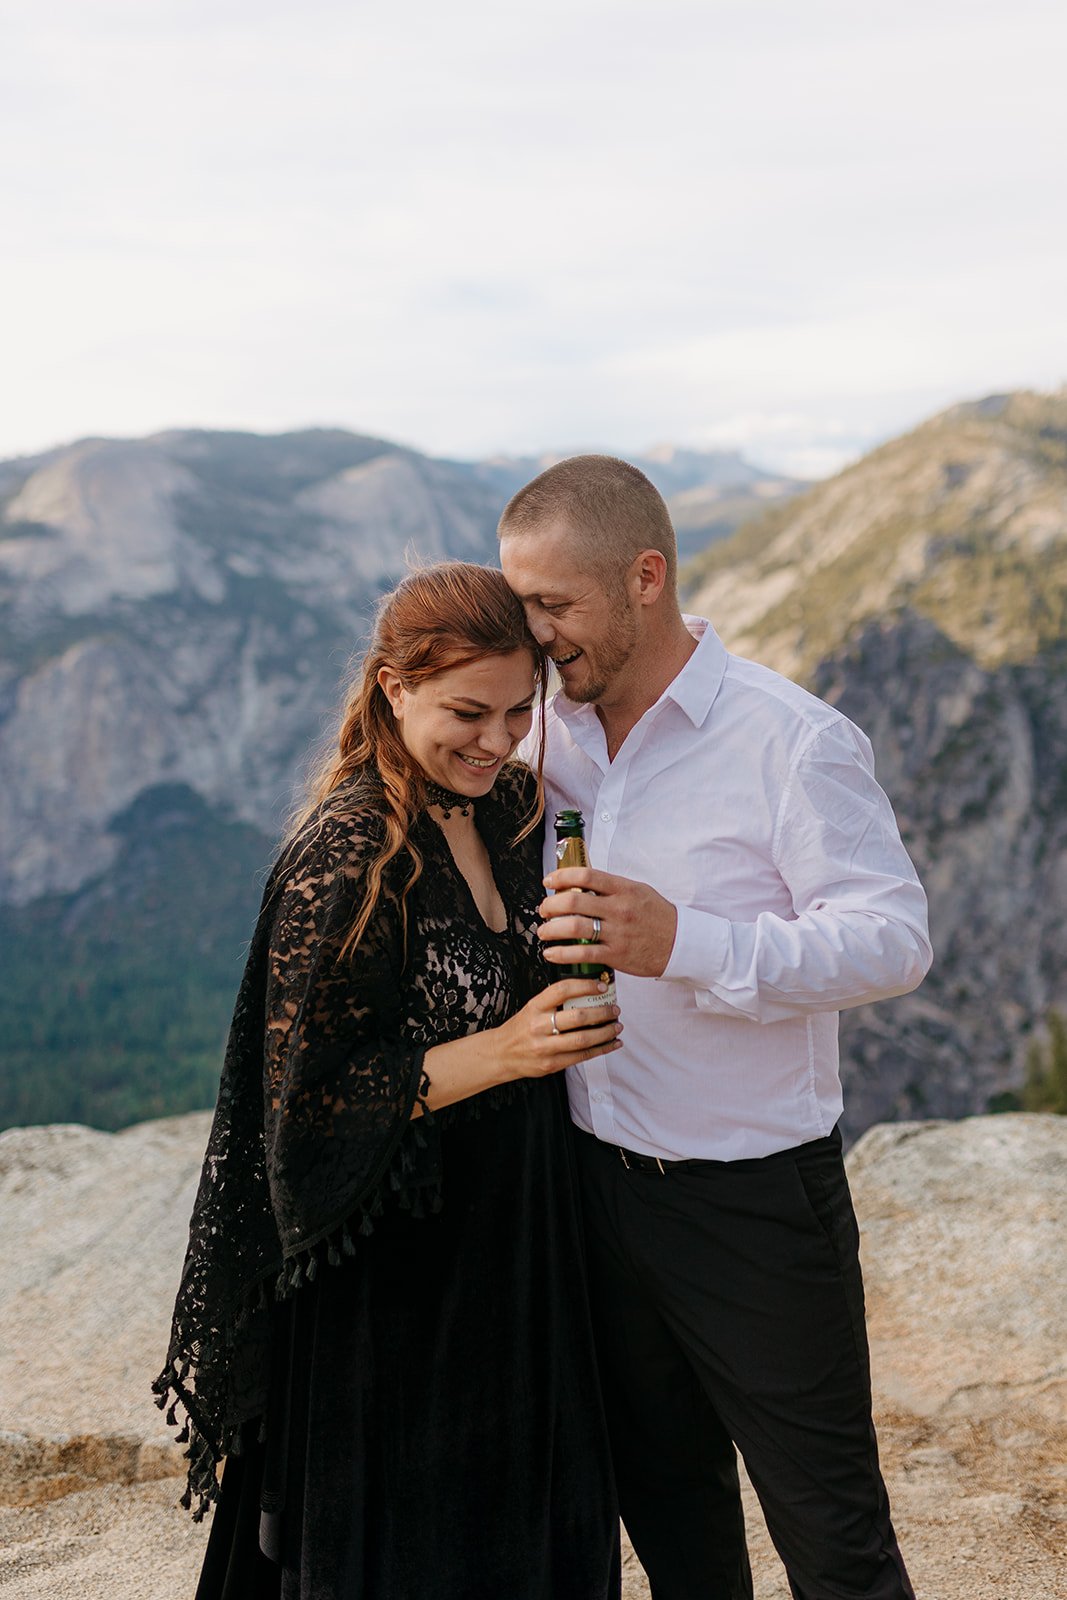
{"type": "Point", "coordinates": [748, 882]}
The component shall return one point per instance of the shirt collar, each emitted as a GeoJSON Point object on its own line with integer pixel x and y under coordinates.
{"type": "Point", "coordinates": [693, 690]}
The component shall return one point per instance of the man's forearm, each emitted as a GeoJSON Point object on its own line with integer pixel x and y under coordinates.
{"type": "Point", "coordinates": [827, 959]}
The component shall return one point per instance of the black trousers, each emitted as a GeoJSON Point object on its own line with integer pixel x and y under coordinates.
{"type": "Point", "coordinates": [728, 1308]}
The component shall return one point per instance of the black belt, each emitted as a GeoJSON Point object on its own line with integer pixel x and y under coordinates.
{"type": "Point", "coordinates": [634, 1161]}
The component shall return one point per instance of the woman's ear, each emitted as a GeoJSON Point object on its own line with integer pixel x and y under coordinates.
{"type": "Point", "coordinates": [393, 689]}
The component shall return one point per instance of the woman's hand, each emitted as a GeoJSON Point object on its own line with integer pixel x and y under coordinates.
{"type": "Point", "coordinates": [538, 1040]}
{"type": "Point", "coordinates": [542, 1038]}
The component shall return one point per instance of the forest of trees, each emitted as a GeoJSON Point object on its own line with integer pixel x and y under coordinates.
{"type": "Point", "coordinates": [116, 1001]}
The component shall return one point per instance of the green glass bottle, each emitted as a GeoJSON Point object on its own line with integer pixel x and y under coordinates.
{"type": "Point", "coordinates": [571, 852]}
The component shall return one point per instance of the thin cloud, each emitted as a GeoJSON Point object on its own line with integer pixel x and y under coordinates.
{"type": "Point", "coordinates": [481, 231]}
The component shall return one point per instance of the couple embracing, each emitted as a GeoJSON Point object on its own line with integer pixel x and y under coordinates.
{"type": "Point", "coordinates": [448, 1308]}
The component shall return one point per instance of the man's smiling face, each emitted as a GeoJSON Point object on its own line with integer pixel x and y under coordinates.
{"type": "Point", "coordinates": [583, 619]}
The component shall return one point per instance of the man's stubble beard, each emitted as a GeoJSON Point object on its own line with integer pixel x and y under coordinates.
{"type": "Point", "coordinates": [613, 654]}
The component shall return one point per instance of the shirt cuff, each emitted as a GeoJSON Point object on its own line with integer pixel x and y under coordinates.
{"type": "Point", "coordinates": [701, 948]}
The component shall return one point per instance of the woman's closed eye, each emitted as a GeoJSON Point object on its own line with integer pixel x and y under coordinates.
{"type": "Point", "coordinates": [476, 716]}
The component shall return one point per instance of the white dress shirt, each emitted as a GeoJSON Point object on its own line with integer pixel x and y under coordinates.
{"type": "Point", "coordinates": [752, 806]}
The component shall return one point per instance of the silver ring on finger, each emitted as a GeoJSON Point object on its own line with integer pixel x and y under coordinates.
{"type": "Point", "coordinates": [596, 930]}
{"type": "Point", "coordinates": [555, 1030]}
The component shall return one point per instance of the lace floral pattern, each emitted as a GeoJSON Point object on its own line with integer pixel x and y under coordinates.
{"type": "Point", "coordinates": [313, 1131]}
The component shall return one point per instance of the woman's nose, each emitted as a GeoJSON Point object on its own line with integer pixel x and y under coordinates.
{"type": "Point", "coordinates": [496, 741]}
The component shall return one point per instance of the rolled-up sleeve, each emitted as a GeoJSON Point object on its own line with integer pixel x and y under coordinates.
{"type": "Point", "coordinates": [859, 929]}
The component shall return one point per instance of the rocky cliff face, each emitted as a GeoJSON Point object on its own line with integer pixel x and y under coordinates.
{"type": "Point", "coordinates": [975, 759]}
{"type": "Point", "coordinates": [179, 610]}
{"type": "Point", "coordinates": [924, 591]}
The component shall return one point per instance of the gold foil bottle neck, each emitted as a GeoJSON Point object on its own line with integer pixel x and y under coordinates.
{"type": "Point", "coordinates": [571, 852]}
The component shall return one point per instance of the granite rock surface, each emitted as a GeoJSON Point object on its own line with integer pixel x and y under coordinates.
{"type": "Point", "coordinates": [965, 1256]}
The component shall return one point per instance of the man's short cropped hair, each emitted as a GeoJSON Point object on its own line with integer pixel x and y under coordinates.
{"type": "Point", "coordinates": [613, 509]}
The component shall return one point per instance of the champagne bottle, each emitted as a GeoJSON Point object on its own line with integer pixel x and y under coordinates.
{"type": "Point", "coordinates": [571, 852]}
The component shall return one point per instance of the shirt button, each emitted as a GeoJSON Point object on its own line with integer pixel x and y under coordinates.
{"type": "Point", "coordinates": [605, 816]}
{"type": "Point", "coordinates": [597, 1096]}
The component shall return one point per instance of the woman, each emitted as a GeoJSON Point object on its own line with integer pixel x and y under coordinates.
{"type": "Point", "coordinates": [382, 1318]}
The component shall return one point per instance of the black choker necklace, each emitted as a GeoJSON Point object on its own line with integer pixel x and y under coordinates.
{"type": "Point", "coordinates": [447, 799]}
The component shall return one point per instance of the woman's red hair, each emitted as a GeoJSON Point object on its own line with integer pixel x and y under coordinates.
{"type": "Point", "coordinates": [437, 618]}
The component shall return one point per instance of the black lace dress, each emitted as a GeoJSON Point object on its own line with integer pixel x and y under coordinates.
{"type": "Point", "coordinates": [431, 1426]}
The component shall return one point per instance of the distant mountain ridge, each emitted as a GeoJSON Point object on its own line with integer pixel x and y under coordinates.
{"type": "Point", "coordinates": [961, 521]}
{"type": "Point", "coordinates": [179, 610]}
{"type": "Point", "coordinates": [156, 580]}
{"type": "Point", "coordinates": [176, 614]}
{"type": "Point", "coordinates": [710, 492]}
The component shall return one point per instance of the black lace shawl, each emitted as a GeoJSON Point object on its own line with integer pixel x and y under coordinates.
{"type": "Point", "coordinates": [313, 1128]}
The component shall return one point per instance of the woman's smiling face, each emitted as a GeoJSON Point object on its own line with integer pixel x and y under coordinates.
{"type": "Point", "coordinates": [461, 725]}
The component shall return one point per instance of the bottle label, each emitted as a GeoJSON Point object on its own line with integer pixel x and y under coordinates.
{"type": "Point", "coordinates": [586, 1002]}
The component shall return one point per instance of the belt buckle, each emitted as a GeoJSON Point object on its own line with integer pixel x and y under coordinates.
{"type": "Point", "coordinates": [643, 1167]}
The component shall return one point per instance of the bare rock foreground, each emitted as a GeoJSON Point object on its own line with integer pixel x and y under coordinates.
{"type": "Point", "coordinates": [965, 1257]}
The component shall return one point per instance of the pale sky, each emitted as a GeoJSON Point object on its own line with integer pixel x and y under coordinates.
{"type": "Point", "coordinates": [791, 226]}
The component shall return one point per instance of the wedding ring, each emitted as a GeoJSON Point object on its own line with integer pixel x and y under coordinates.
{"type": "Point", "coordinates": [555, 1030]}
{"type": "Point", "coordinates": [596, 930]}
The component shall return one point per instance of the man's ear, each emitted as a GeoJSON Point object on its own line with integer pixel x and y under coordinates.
{"type": "Point", "coordinates": [648, 574]}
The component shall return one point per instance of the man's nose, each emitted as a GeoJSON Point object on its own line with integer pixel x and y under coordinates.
{"type": "Point", "coordinates": [542, 630]}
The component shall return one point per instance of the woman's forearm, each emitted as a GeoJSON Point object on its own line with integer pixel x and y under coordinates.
{"type": "Point", "coordinates": [460, 1068]}
{"type": "Point", "coordinates": [542, 1038]}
